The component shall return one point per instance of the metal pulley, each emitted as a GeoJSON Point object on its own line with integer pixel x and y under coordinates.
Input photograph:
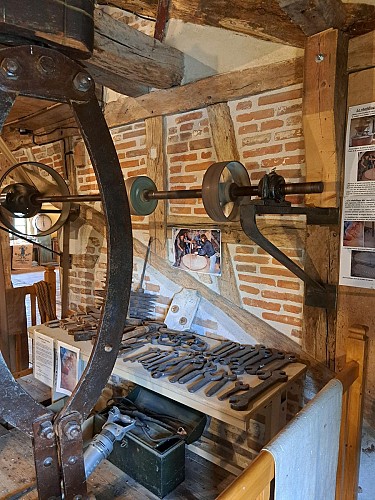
{"type": "Point", "coordinates": [226, 185]}
{"type": "Point", "coordinates": [25, 200]}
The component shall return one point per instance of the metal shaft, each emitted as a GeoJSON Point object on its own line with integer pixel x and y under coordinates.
{"type": "Point", "coordinates": [184, 194]}
{"type": "Point", "coordinates": [296, 188]}
{"type": "Point", "coordinates": [68, 198]}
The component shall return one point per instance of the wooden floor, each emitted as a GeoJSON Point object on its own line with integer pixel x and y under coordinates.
{"type": "Point", "coordinates": [204, 480]}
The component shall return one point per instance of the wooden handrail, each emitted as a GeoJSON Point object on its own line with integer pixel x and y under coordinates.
{"type": "Point", "coordinates": [348, 375]}
{"type": "Point", "coordinates": [254, 481]}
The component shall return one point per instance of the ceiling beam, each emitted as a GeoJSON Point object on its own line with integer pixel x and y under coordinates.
{"type": "Point", "coordinates": [314, 16]}
{"type": "Point", "coordinates": [129, 61]}
{"type": "Point", "coordinates": [264, 20]}
{"type": "Point", "coordinates": [147, 8]}
{"type": "Point", "coordinates": [205, 92]}
{"type": "Point", "coordinates": [283, 21]}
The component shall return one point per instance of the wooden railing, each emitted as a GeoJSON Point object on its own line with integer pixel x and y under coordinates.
{"type": "Point", "coordinates": [255, 482]}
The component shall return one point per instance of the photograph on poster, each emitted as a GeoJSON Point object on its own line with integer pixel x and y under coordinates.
{"type": "Point", "coordinates": [67, 368]}
{"type": "Point", "coordinates": [366, 166]}
{"type": "Point", "coordinates": [361, 133]}
{"type": "Point", "coordinates": [354, 234]}
{"type": "Point", "coordinates": [357, 255]}
{"type": "Point", "coordinates": [363, 264]}
{"type": "Point", "coordinates": [197, 250]}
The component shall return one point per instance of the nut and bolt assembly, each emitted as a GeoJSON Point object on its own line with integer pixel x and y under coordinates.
{"type": "Point", "coordinates": [82, 82]}
{"type": "Point", "coordinates": [11, 67]}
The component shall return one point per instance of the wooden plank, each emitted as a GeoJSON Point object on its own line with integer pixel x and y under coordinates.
{"type": "Point", "coordinates": [314, 16]}
{"type": "Point", "coordinates": [325, 90]}
{"type": "Point", "coordinates": [162, 17]}
{"type": "Point", "coordinates": [361, 53]}
{"type": "Point", "coordinates": [146, 8]}
{"type": "Point", "coordinates": [260, 330]}
{"type": "Point", "coordinates": [156, 170]}
{"type": "Point", "coordinates": [115, 81]}
{"type": "Point", "coordinates": [266, 21]}
{"type": "Point", "coordinates": [351, 430]}
{"type": "Point", "coordinates": [211, 90]}
{"type": "Point", "coordinates": [5, 282]}
{"type": "Point", "coordinates": [122, 51]}
{"type": "Point", "coordinates": [225, 145]}
{"type": "Point", "coordinates": [324, 103]}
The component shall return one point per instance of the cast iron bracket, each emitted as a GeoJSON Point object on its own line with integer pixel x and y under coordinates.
{"type": "Point", "coordinates": [316, 294]}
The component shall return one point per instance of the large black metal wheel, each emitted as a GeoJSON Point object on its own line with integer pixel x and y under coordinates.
{"type": "Point", "coordinates": [64, 80]}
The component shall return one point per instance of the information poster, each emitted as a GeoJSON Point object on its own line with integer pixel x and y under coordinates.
{"type": "Point", "coordinates": [67, 373]}
{"type": "Point", "coordinates": [357, 262]}
{"type": "Point", "coordinates": [44, 357]}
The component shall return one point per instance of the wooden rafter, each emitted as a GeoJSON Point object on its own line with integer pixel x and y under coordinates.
{"type": "Point", "coordinates": [283, 21]}
{"type": "Point", "coordinates": [123, 55]}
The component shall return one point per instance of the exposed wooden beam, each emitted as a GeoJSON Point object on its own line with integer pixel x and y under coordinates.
{"type": "Point", "coordinates": [324, 108]}
{"type": "Point", "coordinates": [264, 20]}
{"type": "Point", "coordinates": [114, 81]}
{"type": "Point", "coordinates": [124, 52]}
{"type": "Point", "coordinates": [361, 52]}
{"type": "Point", "coordinates": [157, 171]}
{"type": "Point", "coordinates": [162, 17]}
{"type": "Point", "coordinates": [211, 90]}
{"type": "Point", "coordinates": [146, 8]}
{"type": "Point", "coordinates": [314, 16]}
{"type": "Point", "coordinates": [225, 144]}
{"type": "Point", "coordinates": [283, 21]}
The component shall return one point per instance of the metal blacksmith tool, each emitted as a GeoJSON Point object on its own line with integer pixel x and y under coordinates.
{"type": "Point", "coordinates": [263, 374]}
{"type": "Point", "coordinates": [220, 384]}
{"type": "Point", "coordinates": [238, 387]}
{"type": "Point", "coordinates": [255, 366]}
{"type": "Point", "coordinates": [242, 401]}
{"type": "Point", "coordinates": [205, 379]}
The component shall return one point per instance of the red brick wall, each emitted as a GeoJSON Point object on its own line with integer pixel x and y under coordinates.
{"type": "Point", "coordinates": [268, 129]}
{"type": "Point", "coordinates": [269, 135]}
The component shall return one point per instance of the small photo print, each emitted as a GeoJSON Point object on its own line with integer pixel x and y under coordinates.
{"type": "Point", "coordinates": [363, 265]}
{"type": "Point", "coordinates": [67, 368]}
{"type": "Point", "coordinates": [366, 166]}
{"type": "Point", "coordinates": [354, 234]}
{"type": "Point", "coordinates": [197, 250]}
{"type": "Point", "coordinates": [361, 133]}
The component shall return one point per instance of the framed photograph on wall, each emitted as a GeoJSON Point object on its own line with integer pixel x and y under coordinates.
{"type": "Point", "coordinates": [197, 250]}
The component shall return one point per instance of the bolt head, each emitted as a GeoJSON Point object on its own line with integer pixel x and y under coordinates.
{"type": "Point", "coordinates": [10, 67]}
{"type": "Point", "coordinates": [319, 57]}
{"type": "Point", "coordinates": [46, 430]}
{"type": "Point", "coordinates": [72, 460]}
{"type": "Point", "coordinates": [72, 430]}
{"type": "Point", "coordinates": [47, 462]}
{"type": "Point", "coordinates": [83, 82]}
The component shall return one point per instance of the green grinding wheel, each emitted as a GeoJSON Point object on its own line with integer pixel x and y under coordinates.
{"type": "Point", "coordinates": [136, 187]}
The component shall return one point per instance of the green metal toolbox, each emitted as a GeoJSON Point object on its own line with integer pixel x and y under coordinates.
{"type": "Point", "coordinates": [154, 455]}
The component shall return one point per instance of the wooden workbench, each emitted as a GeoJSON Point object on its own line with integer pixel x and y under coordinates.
{"type": "Point", "coordinates": [221, 410]}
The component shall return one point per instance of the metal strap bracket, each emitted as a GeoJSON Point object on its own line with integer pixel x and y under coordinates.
{"type": "Point", "coordinates": [316, 294]}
